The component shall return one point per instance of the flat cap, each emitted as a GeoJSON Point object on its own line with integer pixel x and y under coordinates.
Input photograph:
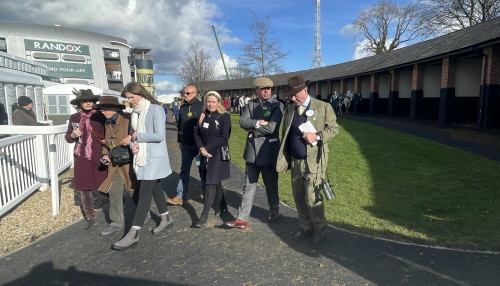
{"type": "Point", "coordinates": [263, 82]}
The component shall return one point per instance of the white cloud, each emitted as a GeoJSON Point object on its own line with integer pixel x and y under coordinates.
{"type": "Point", "coordinates": [348, 31]}
{"type": "Point", "coordinates": [359, 52]}
{"type": "Point", "coordinates": [167, 86]}
{"type": "Point", "coordinates": [229, 61]}
{"type": "Point", "coordinates": [165, 26]}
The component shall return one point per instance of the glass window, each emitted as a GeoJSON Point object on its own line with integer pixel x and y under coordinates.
{"type": "Point", "coordinates": [63, 104]}
{"type": "Point", "coordinates": [45, 56]}
{"type": "Point", "coordinates": [52, 109]}
{"type": "Point", "coordinates": [74, 58]}
{"type": "Point", "coordinates": [58, 104]}
{"type": "Point", "coordinates": [52, 100]}
{"type": "Point", "coordinates": [63, 109]}
{"type": "Point", "coordinates": [3, 45]}
{"type": "Point", "coordinates": [63, 100]}
{"type": "Point", "coordinates": [52, 104]}
{"type": "Point", "coordinates": [115, 54]}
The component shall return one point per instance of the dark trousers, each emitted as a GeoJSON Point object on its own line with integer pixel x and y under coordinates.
{"type": "Point", "coordinates": [149, 189]}
{"type": "Point", "coordinates": [213, 197]}
{"type": "Point", "coordinates": [188, 153]}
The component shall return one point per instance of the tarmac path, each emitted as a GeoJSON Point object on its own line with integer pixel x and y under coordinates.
{"type": "Point", "coordinates": [262, 254]}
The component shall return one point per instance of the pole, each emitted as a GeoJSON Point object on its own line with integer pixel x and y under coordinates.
{"type": "Point", "coordinates": [220, 51]}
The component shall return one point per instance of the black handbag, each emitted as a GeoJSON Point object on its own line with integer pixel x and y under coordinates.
{"type": "Point", "coordinates": [224, 153]}
{"type": "Point", "coordinates": [121, 155]}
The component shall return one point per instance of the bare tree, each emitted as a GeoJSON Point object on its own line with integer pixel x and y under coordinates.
{"type": "Point", "coordinates": [240, 72]}
{"type": "Point", "coordinates": [387, 25]}
{"type": "Point", "coordinates": [198, 69]}
{"type": "Point", "coordinates": [262, 55]}
{"type": "Point", "coordinates": [447, 16]}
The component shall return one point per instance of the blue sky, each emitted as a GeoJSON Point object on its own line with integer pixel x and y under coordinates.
{"type": "Point", "coordinates": [293, 23]}
{"type": "Point", "coordinates": [168, 27]}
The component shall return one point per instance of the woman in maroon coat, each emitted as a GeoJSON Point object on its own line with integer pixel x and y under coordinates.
{"type": "Point", "coordinates": [86, 130]}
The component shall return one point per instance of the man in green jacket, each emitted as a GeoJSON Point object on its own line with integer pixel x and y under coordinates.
{"type": "Point", "coordinates": [307, 127]}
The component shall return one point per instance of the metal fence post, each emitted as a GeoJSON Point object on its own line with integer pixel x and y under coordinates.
{"type": "Point", "coordinates": [54, 179]}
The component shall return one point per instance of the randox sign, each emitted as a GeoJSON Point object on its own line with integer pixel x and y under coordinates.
{"type": "Point", "coordinates": [36, 45]}
{"type": "Point", "coordinates": [65, 70]}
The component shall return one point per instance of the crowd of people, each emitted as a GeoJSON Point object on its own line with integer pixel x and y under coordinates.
{"type": "Point", "coordinates": [125, 155]}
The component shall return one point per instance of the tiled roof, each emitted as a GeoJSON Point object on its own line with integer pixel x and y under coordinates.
{"type": "Point", "coordinates": [462, 41]}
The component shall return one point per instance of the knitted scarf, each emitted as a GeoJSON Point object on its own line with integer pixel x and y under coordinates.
{"type": "Point", "coordinates": [138, 122]}
{"type": "Point", "coordinates": [86, 129]}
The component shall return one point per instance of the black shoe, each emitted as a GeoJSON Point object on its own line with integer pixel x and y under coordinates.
{"type": "Point", "coordinates": [318, 234]}
{"type": "Point", "coordinates": [202, 222]}
{"type": "Point", "coordinates": [273, 215]}
{"type": "Point", "coordinates": [302, 233]}
{"type": "Point", "coordinates": [90, 224]}
{"type": "Point", "coordinates": [223, 210]}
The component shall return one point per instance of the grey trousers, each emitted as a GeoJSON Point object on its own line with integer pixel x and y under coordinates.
{"type": "Point", "coordinates": [116, 201]}
{"type": "Point", "coordinates": [270, 178]}
{"type": "Point", "coordinates": [307, 196]}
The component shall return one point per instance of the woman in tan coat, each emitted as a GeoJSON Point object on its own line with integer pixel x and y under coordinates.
{"type": "Point", "coordinates": [120, 176]}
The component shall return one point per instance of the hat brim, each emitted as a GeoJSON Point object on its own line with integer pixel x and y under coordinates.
{"type": "Point", "coordinates": [297, 89]}
{"type": "Point", "coordinates": [108, 105]}
{"type": "Point", "coordinates": [78, 99]}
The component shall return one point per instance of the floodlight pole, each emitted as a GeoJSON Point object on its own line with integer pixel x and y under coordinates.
{"type": "Point", "coordinates": [220, 51]}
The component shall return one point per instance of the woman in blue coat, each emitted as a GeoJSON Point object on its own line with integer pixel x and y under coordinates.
{"type": "Point", "coordinates": [211, 133]}
{"type": "Point", "coordinates": [151, 163]}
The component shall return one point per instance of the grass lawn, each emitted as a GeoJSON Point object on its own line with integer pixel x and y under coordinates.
{"type": "Point", "coordinates": [398, 186]}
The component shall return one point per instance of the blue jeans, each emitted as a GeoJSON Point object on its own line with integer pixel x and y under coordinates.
{"type": "Point", "coordinates": [188, 153]}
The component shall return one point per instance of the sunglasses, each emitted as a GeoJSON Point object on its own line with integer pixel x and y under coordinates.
{"type": "Point", "coordinates": [188, 93]}
{"type": "Point", "coordinates": [265, 87]}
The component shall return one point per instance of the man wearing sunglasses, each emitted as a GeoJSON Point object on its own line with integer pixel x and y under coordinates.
{"type": "Point", "coordinates": [189, 113]}
{"type": "Point", "coordinates": [261, 120]}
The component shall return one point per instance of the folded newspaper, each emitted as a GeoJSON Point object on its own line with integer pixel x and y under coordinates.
{"type": "Point", "coordinates": [308, 127]}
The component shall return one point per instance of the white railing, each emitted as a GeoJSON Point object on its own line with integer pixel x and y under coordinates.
{"type": "Point", "coordinates": [30, 158]}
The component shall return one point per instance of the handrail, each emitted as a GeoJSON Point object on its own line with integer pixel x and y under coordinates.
{"type": "Point", "coordinates": [48, 133]}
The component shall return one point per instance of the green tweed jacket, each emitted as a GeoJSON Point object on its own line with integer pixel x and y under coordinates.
{"type": "Point", "coordinates": [324, 120]}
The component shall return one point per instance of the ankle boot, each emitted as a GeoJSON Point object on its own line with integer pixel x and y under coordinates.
{"type": "Point", "coordinates": [202, 222]}
{"type": "Point", "coordinates": [128, 240]}
{"type": "Point", "coordinates": [210, 193]}
{"type": "Point", "coordinates": [166, 222]}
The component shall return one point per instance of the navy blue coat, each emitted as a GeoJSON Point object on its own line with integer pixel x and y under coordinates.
{"type": "Point", "coordinates": [213, 133]}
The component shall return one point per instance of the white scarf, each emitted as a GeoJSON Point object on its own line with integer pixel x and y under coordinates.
{"type": "Point", "coordinates": [138, 121]}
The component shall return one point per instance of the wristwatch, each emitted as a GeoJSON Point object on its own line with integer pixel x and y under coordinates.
{"type": "Point", "coordinates": [318, 136]}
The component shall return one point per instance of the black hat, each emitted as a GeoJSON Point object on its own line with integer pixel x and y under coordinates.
{"type": "Point", "coordinates": [84, 95]}
{"type": "Point", "coordinates": [24, 100]}
{"type": "Point", "coordinates": [109, 102]}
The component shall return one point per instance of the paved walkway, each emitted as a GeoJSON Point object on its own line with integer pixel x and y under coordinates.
{"type": "Point", "coordinates": [263, 254]}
